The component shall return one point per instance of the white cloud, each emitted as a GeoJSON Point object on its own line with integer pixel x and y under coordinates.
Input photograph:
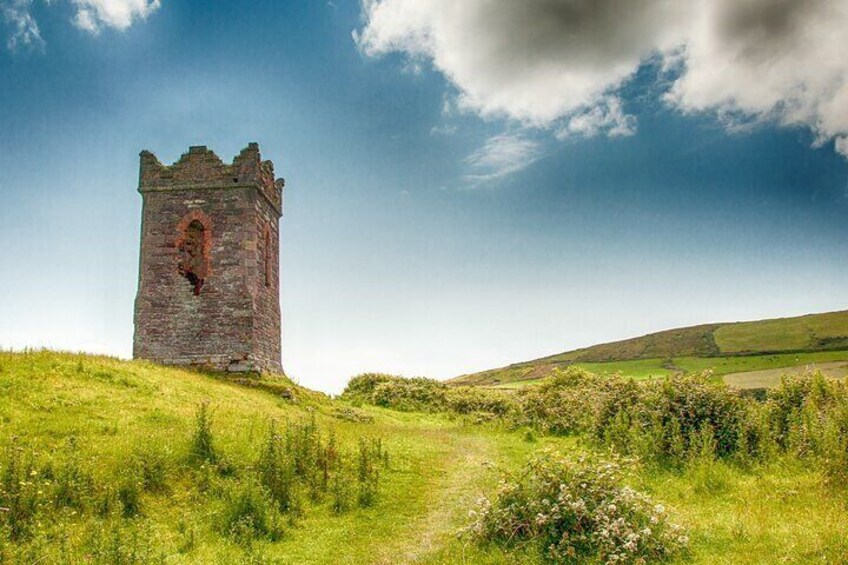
{"type": "Point", "coordinates": [25, 31]}
{"type": "Point", "coordinates": [606, 116]}
{"type": "Point", "coordinates": [500, 156]}
{"type": "Point", "coordinates": [562, 63]}
{"type": "Point", "coordinates": [91, 16]}
{"type": "Point", "coordinates": [841, 146]}
{"type": "Point", "coordinates": [779, 60]}
{"type": "Point", "coordinates": [534, 60]}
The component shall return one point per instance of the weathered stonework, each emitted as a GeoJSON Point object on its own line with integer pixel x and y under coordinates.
{"type": "Point", "coordinates": [208, 288]}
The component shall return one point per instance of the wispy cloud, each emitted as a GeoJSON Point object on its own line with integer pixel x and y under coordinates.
{"type": "Point", "coordinates": [841, 146]}
{"type": "Point", "coordinates": [24, 29]}
{"type": "Point", "coordinates": [606, 117]}
{"type": "Point", "coordinates": [500, 156]}
{"type": "Point", "coordinates": [91, 16]}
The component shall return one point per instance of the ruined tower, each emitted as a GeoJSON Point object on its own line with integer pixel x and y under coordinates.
{"type": "Point", "coordinates": [208, 285]}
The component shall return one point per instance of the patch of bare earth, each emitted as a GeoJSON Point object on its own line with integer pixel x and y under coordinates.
{"type": "Point", "coordinates": [771, 377]}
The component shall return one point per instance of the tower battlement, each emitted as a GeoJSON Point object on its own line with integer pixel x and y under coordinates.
{"type": "Point", "coordinates": [208, 286]}
{"type": "Point", "coordinates": [202, 168]}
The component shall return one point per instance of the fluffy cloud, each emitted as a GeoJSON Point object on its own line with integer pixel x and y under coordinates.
{"type": "Point", "coordinates": [768, 59]}
{"type": "Point", "coordinates": [561, 63]}
{"type": "Point", "coordinates": [500, 156]}
{"type": "Point", "coordinates": [534, 60]}
{"type": "Point", "coordinates": [90, 15]}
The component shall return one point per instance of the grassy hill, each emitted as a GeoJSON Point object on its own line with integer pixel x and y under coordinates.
{"type": "Point", "coordinates": [726, 348]}
{"type": "Point", "coordinates": [103, 450]}
{"type": "Point", "coordinates": [102, 461]}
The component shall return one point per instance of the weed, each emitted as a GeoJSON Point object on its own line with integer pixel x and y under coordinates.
{"type": "Point", "coordinates": [202, 448]}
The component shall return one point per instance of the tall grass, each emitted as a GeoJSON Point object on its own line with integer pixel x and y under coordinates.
{"type": "Point", "coordinates": [296, 466]}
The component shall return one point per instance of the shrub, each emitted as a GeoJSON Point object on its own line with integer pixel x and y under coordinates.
{"type": "Point", "coordinates": [808, 415]}
{"type": "Point", "coordinates": [363, 385]}
{"type": "Point", "coordinates": [416, 394]}
{"type": "Point", "coordinates": [668, 421]}
{"type": "Point", "coordinates": [577, 512]}
{"type": "Point", "coordinates": [565, 403]}
{"type": "Point", "coordinates": [479, 401]}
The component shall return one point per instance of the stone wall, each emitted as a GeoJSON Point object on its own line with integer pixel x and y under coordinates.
{"type": "Point", "coordinates": [208, 290]}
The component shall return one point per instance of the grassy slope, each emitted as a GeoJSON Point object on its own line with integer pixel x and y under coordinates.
{"type": "Point", "coordinates": [725, 348]}
{"type": "Point", "coordinates": [114, 408]}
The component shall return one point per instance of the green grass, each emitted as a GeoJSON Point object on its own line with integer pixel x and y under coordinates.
{"type": "Point", "coordinates": [804, 332]}
{"type": "Point", "coordinates": [696, 346]}
{"type": "Point", "coordinates": [439, 467]}
{"type": "Point", "coordinates": [726, 365]}
{"type": "Point", "coordinates": [652, 368]}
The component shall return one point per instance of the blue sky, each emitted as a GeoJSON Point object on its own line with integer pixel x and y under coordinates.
{"type": "Point", "coordinates": [445, 212]}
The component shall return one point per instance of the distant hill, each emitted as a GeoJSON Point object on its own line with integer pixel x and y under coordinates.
{"type": "Point", "coordinates": [726, 347]}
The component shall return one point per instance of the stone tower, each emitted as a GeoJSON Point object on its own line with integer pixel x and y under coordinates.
{"type": "Point", "coordinates": [208, 285]}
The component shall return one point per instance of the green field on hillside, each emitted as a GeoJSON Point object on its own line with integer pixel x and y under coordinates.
{"type": "Point", "coordinates": [85, 422]}
{"type": "Point", "coordinates": [724, 348]}
{"type": "Point", "coordinates": [653, 368]}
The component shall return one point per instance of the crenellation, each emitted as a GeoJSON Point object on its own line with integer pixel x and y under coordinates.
{"type": "Point", "coordinates": [202, 168]}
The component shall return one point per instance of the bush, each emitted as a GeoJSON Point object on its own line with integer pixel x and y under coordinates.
{"type": "Point", "coordinates": [680, 412]}
{"type": "Point", "coordinates": [479, 401]}
{"type": "Point", "coordinates": [568, 402]}
{"type": "Point", "coordinates": [577, 512]}
{"type": "Point", "coordinates": [416, 394]}
{"type": "Point", "coordinates": [808, 416]}
{"type": "Point", "coordinates": [363, 385]}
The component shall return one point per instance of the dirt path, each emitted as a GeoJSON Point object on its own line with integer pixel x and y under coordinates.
{"type": "Point", "coordinates": [771, 377]}
{"type": "Point", "coordinates": [453, 488]}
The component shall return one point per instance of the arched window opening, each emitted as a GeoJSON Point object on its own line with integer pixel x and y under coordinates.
{"type": "Point", "coordinates": [267, 256]}
{"type": "Point", "coordinates": [193, 263]}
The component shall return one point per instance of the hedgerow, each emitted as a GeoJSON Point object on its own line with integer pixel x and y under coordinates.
{"type": "Point", "coordinates": [665, 422]}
